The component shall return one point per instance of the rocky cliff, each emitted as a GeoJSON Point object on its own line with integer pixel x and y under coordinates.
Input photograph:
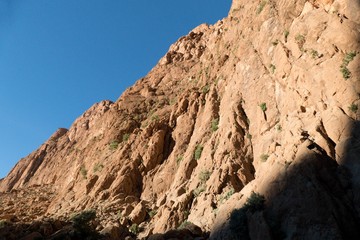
{"type": "Point", "coordinates": [247, 128]}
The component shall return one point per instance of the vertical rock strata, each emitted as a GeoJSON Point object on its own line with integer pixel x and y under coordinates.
{"type": "Point", "coordinates": [266, 101]}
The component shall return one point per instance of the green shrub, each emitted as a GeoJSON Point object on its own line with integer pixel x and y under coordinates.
{"type": "Point", "coordinates": [272, 68]}
{"type": "Point", "coordinates": [264, 157]}
{"type": "Point", "coordinates": [261, 7]}
{"type": "Point", "coordinates": [184, 224]}
{"type": "Point", "coordinates": [215, 124]}
{"type": "Point", "coordinates": [349, 57]}
{"type": "Point", "coordinates": [204, 176]}
{"type": "Point", "coordinates": [114, 145]}
{"type": "Point", "coordinates": [152, 213]}
{"type": "Point", "coordinates": [206, 89]}
{"type": "Point", "coordinates": [179, 159]}
{"type": "Point", "coordinates": [198, 151]}
{"type": "Point", "coordinates": [227, 195]}
{"type": "Point", "coordinates": [249, 136]}
{"type": "Point", "coordinates": [353, 108]}
{"type": "Point", "coordinates": [125, 137]}
{"type": "Point", "coordinates": [345, 72]}
{"type": "Point", "coordinates": [256, 202]}
{"type": "Point", "coordinates": [263, 106]}
{"type": "Point", "coordinates": [98, 167]}
{"type": "Point", "coordinates": [81, 223]}
{"type": "Point", "coordinates": [314, 54]}
{"type": "Point", "coordinates": [286, 34]}
{"type": "Point", "coordinates": [300, 40]}
{"type": "Point", "coordinates": [343, 67]}
{"type": "Point", "coordinates": [238, 218]}
{"type": "Point", "coordinates": [275, 43]}
{"type": "Point", "coordinates": [155, 118]}
{"type": "Point", "coordinates": [134, 229]}
{"type": "Point", "coordinates": [83, 171]}
{"type": "Point", "coordinates": [83, 218]}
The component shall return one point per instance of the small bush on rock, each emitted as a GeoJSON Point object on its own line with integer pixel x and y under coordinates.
{"type": "Point", "coordinates": [114, 145]}
{"type": "Point", "coordinates": [263, 106]}
{"type": "Point", "coordinates": [238, 223]}
{"type": "Point", "coordinates": [198, 151]}
{"type": "Point", "coordinates": [134, 229]}
{"type": "Point", "coordinates": [81, 224]}
{"type": "Point", "coordinates": [184, 224]}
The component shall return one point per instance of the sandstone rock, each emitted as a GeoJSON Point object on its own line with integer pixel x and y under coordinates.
{"type": "Point", "coordinates": [113, 232]}
{"type": "Point", "coordinates": [265, 100]}
{"type": "Point", "coordinates": [138, 214]}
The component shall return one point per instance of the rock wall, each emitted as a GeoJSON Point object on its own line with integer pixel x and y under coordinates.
{"type": "Point", "coordinates": [266, 100]}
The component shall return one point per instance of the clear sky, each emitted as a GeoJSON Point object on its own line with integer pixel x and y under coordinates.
{"type": "Point", "coordinates": [59, 57]}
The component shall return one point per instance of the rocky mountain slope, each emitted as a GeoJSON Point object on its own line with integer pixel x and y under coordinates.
{"type": "Point", "coordinates": [247, 129]}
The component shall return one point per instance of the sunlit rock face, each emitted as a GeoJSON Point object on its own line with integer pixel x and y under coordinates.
{"type": "Point", "coordinates": [265, 101]}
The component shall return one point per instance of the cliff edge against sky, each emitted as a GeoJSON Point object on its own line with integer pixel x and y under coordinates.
{"type": "Point", "coordinates": [262, 104]}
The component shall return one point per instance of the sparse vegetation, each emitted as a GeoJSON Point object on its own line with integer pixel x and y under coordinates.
{"type": "Point", "coordinates": [343, 68]}
{"type": "Point", "coordinates": [275, 43]}
{"type": "Point", "coordinates": [179, 159]}
{"type": "Point", "coordinates": [184, 224]}
{"type": "Point", "coordinates": [198, 151]}
{"type": "Point", "coordinates": [134, 229]}
{"type": "Point", "coordinates": [353, 108]}
{"type": "Point", "coordinates": [199, 190]}
{"type": "Point", "coordinates": [125, 137]}
{"type": "Point", "coordinates": [152, 213]}
{"type": "Point", "coordinates": [98, 167]}
{"type": "Point", "coordinates": [349, 57]}
{"type": "Point", "coordinates": [314, 54]}
{"type": "Point", "coordinates": [300, 40]}
{"type": "Point", "coordinates": [172, 101]}
{"type": "Point", "coordinates": [215, 124]}
{"type": "Point", "coordinates": [225, 196]}
{"type": "Point", "coordinates": [278, 127]}
{"type": "Point", "coordinates": [238, 219]}
{"type": "Point", "coordinates": [345, 72]}
{"type": "Point", "coordinates": [255, 202]}
{"type": "Point", "coordinates": [81, 223]}
{"type": "Point", "coordinates": [249, 136]}
{"type": "Point", "coordinates": [272, 68]}
{"type": "Point", "coordinates": [83, 171]}
{"type": "Point", "coordinates": [204, 176]}
{"type": "Point", "coordinates": [261, 7]}
{"type": "Point", "coordinates": [286, 34]}
{"type": "Point", "coordinates": [264, 157]}
{"type": "Point", "coordinates": [114, 145]}
{"type": "Point", "coordinates": [263, 106]}
{"type": "Point", "coordinates": [206, 89]}
{"type": "Point", "coordinates": [155, 118]}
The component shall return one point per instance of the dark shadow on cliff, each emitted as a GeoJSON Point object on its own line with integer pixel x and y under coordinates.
{"type": "Point", "coordinates": [312, 199]}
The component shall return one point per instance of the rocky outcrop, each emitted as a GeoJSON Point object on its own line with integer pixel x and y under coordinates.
{"type": "Point", "coordinates": [265, 100]}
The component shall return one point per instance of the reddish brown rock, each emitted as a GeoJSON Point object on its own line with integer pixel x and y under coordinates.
{"type": "Point", "coordinates": [265, 100]}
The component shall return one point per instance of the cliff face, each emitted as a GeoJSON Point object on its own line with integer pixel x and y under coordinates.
{"type": "Point", "coordinates": [266, 101]}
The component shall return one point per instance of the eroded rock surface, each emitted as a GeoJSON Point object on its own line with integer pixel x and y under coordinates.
{"type": "Point", "coordinates": [265, 100]}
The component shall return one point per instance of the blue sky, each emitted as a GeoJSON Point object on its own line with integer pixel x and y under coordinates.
{"type": "Point", "coordinates": [59, 57]}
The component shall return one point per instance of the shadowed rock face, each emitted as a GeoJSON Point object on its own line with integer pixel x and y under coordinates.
{"type": "Point", "coordinates": [265, 100]}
